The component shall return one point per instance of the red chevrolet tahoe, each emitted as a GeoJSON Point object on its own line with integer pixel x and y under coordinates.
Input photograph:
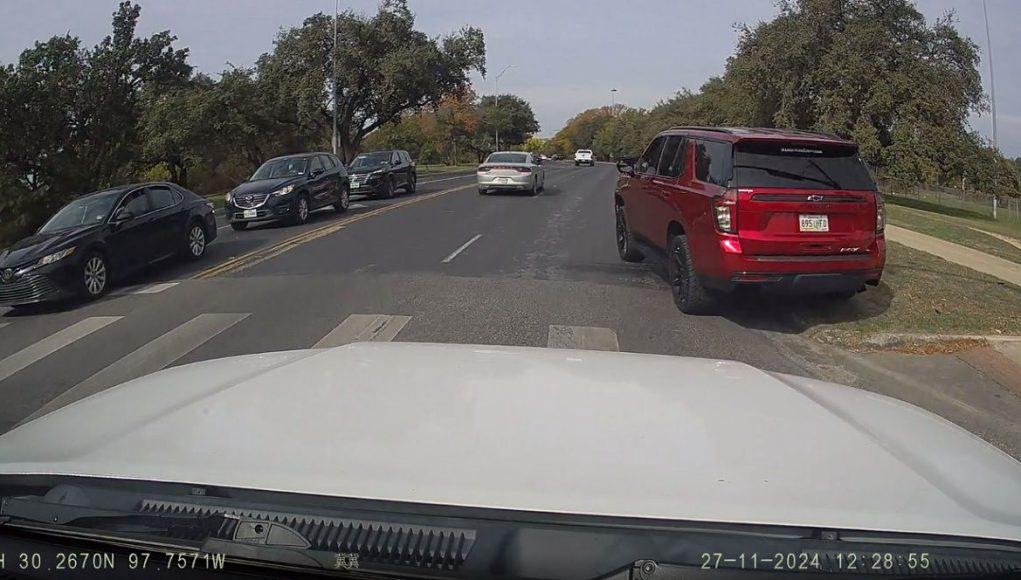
{"type": "Point", "coordinates": [778, 208]}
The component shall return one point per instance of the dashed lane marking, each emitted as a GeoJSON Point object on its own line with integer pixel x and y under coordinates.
{"type": "Point", "coordinates": [51, 344]}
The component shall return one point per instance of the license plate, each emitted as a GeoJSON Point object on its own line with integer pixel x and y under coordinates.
{"type": "Point", "coordinates": [813, 223]}
{"type": "Point", "coordinates": [501, 180]}
{"type": "Point", "coordinates": [250, 213]}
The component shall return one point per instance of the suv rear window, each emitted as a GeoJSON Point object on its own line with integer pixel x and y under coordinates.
{"type": "Point", "coordinates": [797, 166]}
{"type": "Point", "coordinates": [712, 161]}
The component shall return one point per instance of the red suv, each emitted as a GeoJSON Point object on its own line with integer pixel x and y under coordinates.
{"type": "Point", "coordinates": [775, 208]}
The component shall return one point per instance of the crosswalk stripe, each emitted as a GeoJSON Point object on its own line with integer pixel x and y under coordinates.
{"type": "Point", "coordinates": [364, 327]}
{"type": "Point", "coordinates": [156, 288]}
{"type": "Point", "coordinates": [151, 357]}
{"type": "Point", "coordinates": [52, 344]}
{"type": "Point", "coordinates": [582, 337]}
{"type": "Point", "coordinates": [3, 324]}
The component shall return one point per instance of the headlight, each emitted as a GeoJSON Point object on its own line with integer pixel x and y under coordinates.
{"type": "Point", "coordinates": [55, 256]}
{"type": "Point", "coordinates": [229, 196]}
{"type": "Point", "coordinates": [284, 190]}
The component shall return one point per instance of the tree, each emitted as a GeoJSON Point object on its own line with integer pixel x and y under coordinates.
{"type": "Point", "coordinates": [386, 68]}
{"type": "Point", "coordinates": [69, 115]}
{"type": "Point", "coordinates": [512, 116]}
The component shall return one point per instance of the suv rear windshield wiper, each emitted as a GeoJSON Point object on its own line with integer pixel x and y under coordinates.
{"type": "Point", "coordinates": [795, 176]}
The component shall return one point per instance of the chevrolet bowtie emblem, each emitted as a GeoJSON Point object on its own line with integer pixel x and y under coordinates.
{"type": "Point", "coordinates": [815, 197]}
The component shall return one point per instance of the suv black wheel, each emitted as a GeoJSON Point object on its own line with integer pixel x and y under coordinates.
{"type": "Point", "coordinates": [344, 202]}
{"type": "Point", "coordinates": [388, 188]}
{"type": "Point", "coordinates": [301, 210]}
{"type": "Point", "coordinates": [625, 241]}
{"type": "Point", "coordinates": [94, 276]}
{"type": "Point", "coordinates": [690, 296]}
{"type": "Point", "coordinates": [412, 184]}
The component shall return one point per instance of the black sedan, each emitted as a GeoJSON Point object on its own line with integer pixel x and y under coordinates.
{"type": "Point", "coordinates": [289, 189]}
{"type": "Point", "coordinates": [103, 236]}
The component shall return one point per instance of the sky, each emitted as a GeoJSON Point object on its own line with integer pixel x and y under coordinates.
{"type": "Point", "coordinates": [567, 55]}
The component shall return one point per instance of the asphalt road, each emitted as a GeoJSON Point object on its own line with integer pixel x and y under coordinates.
{"type": "Point", "coordinates": [442, 265]}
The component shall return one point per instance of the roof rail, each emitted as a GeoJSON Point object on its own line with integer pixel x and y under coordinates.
{"type": "Point", "coordinates": [699, 128]}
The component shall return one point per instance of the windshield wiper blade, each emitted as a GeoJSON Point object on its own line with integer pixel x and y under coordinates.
{"type": "Point", "coordinates": [790, 175]}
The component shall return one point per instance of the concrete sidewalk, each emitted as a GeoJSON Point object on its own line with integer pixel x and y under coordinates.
{"type": "Point", "coordinates": [980, 261]}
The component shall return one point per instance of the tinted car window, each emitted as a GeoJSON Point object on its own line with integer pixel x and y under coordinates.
{"type": "Point", "coordinates": [370, 159]}
{"type": "Point", "coordinates": [712, 162]}
{"type": "Point", "coordinates": [326, 161]}
{"type": "Point", "coordinates": [316, 165]}
{"type": "Point", "coordinates": [800, 167]}
{"type": "Point", "coordinates": [507, 158]}
{"type": "Point", "coordinates": [407, 157]}
{"type": "Point", "coordinates": [278, 168]}
{"type": "Point", "coordinates": [395, 159]}
{"type": "Point", "coordinates": [161, 197]}
{"type": "Point", "coordinates": [136, 202]}
{"type": "Point", "coordinates": [671, 163]}
{"type": "Point", "coordinates": [650, 159]}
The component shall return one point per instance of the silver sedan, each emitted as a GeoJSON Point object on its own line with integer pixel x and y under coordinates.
{"type": "Point", "coordinates": [511, 171]}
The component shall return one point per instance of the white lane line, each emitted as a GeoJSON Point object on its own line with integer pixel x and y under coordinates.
{"type": "Point", "coordinates": [463, 175]}
{"type": "Point", "coordinates": [156, 288]}
{"type": "Point", "coordinates": [51, 344]}
{"type": "Point", "coordinates": [3, 324]}
{"type": "Point", "coordinates": [582, 337]}
{"type": "Point", "coordinates": [364, 328]}
{"type": "Point", "coordinates": [463, 247]}
{"type": "Point", "coordinates": [149, 358]}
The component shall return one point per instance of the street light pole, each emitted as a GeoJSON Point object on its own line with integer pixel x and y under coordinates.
{"type": "Point", "coordinates": [336, 11]}
{"type": "Point", "coordinates": [992, 83]}
{"type": "Point", "coordinates": [613, 101]}
{"type": "Point", "coordinates": [496, 101]}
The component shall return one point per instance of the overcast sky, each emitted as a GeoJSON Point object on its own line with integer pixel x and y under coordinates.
{"type": "Point", "coordinates": [568, 54]}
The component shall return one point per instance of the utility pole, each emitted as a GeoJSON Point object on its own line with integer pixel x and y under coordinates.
{"type": "Point", "coordinates": [613, 102]}
{"type": "Point", "coordinates": [336, 11]}
{"type": "Point", "coordinates": [992, 83]}
{"type": "Point", "coordinates": [496, 104]}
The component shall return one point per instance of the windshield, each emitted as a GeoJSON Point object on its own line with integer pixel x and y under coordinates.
{"type": "Point", "coordinates": [507, 158]}
{"type": "Point", "coordinates": [91, 210]}
{"type": "Point", "coordinates": [370, 159]}
{"type": "Point", "coordinates": [800, 167]}
{"type": "Point", "coordinates": [584, 152]}
{"type": "Point", "coordinates": [278, 168]}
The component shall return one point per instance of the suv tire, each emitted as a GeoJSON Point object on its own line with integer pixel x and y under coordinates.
{"type": "Point", "coordinates": [412, 184]}
{"type": "Point", "coordinates": [301, 217]}
{"type": "Point", "coordinates": [690, 296]}
{"type": "Point", "coordinates": [626, 247]}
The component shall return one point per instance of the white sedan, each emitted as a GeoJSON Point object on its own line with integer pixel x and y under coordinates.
{"type": "Point", "coordinates": [511, 171]}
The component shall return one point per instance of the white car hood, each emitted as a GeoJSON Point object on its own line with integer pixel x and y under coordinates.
{"type": "Point", "coordinates": [538, 429]}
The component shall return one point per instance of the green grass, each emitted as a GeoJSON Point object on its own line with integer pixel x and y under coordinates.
{"type": "Point", "coordinates": [924, 294]}
{"type": "Point", "coordinates": [1004, 225]}
{"type": "Point", "coordinates": [956, 229]}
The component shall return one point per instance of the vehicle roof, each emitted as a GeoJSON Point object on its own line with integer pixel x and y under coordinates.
{"type": "Point", "coordinates": [518, 152]}
{"type": "Point", "coordinates": [378, 151]}
{"type": "Point", "coordinates": [126, 187]}
{"type": "Point", "coordinates": [299, 155]}
{"type": "Point", "coordinates": [735, 134]}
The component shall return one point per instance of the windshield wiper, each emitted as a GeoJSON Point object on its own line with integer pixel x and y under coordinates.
{"type": "Point", "coordinates": [828, 181]}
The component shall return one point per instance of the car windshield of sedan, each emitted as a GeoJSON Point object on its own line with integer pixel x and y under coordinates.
{"type": "Point", "coordinates": [370, 159]}
{"type": "Point", "coordinates": [280, 168]}
{"type": "Point", "coordinates": [90, 210]}
{"type": "Point", "coordinates": [507, 158]}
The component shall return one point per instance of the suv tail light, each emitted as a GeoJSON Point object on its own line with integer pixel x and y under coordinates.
{"type": "Point", "coordinates": [880, 213]}
{"type": "Point", "coordinates": [724, 208]}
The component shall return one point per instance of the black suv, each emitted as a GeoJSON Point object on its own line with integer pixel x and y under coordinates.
{"type": "Point", "coordinates": [289, 188]}
{"type": "Point", "coordinates": [383, 173]}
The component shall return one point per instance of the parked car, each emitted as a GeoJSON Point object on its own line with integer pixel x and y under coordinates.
{"type": "Point", "coordinates": [289, 188]}
{"type": "Point", "coordinates": [731, 207]}
{"type": "Point", "coordinates": [558, 157]}
{"type": "Point", "coordinates": [382, 173]}
{"type": "Point", "coordinates": [511, 171]}
{"type": "Point", "coordinates": [584, 157]}
{"type": "Point", "coordinates": [104, 236]}
{"type": "Point", "coordinates": [720, 470]}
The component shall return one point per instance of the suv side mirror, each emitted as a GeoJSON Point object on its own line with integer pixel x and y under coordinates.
{"type": "Point", "coordinates": [626, 165]}
{"type": "Point", "coordinates": [123, 214]}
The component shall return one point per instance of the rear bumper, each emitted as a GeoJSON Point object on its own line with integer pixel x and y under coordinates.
{"type": "Point", "coordinates": [504, 182]}
{"type": "Point", "coordinates": [800, 274]}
